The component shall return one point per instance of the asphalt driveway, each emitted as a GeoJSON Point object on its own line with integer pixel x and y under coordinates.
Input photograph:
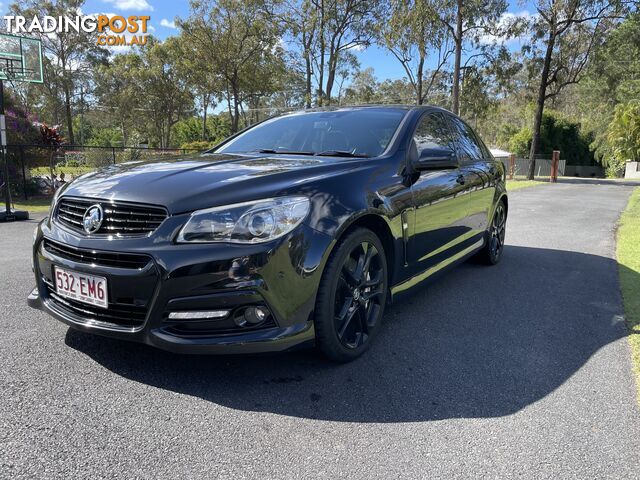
{"type": "Point", "coordinates": [516, 370]}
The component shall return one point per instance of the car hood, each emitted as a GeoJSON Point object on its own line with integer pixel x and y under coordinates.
{"type": "Point", "coordinates": [208, 180]}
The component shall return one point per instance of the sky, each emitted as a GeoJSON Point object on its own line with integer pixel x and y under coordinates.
{"type": "Point", "coordinates": [164, 12]}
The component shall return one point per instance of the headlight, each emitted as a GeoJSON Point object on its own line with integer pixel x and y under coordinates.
{"type": "Point", "coordinates": [250, 222]}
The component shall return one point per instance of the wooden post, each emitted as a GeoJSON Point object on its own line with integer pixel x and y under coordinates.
{"type": "Point", "coordinates": [555, 160]}
{"type": "Point", "coordinates": [512, 165]}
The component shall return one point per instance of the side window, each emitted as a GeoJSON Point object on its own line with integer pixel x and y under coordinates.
{"type": "Point", "coordinates": [485, 151]}
{"type": "Point", "coordinates": [469, 150]}
{"type": "Point", "coordinates": [432, 132]}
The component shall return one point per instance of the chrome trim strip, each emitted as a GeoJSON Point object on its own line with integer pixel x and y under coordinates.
{"type": "Point", "coordinates": [416, 279]}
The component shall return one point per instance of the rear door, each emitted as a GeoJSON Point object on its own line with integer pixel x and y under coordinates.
{"type": "Point", "coordinates": [478, 171]}
{"type": "Point", "coordinates": [440, 219]}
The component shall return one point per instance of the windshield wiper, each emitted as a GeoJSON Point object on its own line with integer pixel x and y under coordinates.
{"type": "Point", "coordinates": [341, 153]}
{"type": "Point", "coordinates": [283, 152]}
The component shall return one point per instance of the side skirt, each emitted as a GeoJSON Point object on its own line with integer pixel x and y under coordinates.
{"type": "Point", "coordinates": [406, 286]}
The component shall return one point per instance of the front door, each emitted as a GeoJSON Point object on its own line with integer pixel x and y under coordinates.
{"type": "Point", "coordinates": [479, 172]}
{"type": "Point", "coordinates": [441, 202]}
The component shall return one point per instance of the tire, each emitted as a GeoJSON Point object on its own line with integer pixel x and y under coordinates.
{"type": "Point", "coordinates": [351, 296]}
{"type": "Point", "coordinates": [492, 251]}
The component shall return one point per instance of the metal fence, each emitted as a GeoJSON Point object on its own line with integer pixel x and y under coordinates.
{"type": "Point", "coordinates": [37, 170]}
{"type": "Point", "coordinates": [542, 168]}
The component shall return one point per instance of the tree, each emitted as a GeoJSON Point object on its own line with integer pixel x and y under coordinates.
{"type": "Point", "coordinates": [118, 92]}
{"type": "Point", "coordinates": [410, 30]}
{"type": "Point", "coordinates": [233, 38]}
{"type": "Point", "coordinates": [188, 131]}
{"type": "Point", "coordinates": [207, 85]}
{"type": "Point", "coordinates": [557, 133]}
{"type": "Point", "coordinates": [611, 77]}
{"type": "Point", "coordinates": [342, 25]}
{"type": "Point", "coordinates": [300, 19]}
{"type": "Point", "coordinates": [466, 19]}
{"type": "Point", "coordinates": [623, 138]}
{"type": "Point", "coordinates": [568, 30]}
{"type": "Point", "coordinates": [71, 55]}
{"type": "Point", "coordinates": [363, 88]}
{"type": "Point", "coordinates": [145, 91]}
{"type": "Point", "coordinates": [166, 95]}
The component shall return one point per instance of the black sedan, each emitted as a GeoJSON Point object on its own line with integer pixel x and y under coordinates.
{"type": "Point", "coordinates": [296, 231]}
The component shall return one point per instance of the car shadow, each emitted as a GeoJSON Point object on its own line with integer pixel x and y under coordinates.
{"type": "Point", "coordinates": [478, 342]}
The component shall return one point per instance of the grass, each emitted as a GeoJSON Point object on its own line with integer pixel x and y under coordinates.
{"type": "Point", "coordinates": [518, 184]}
{"type": "Point", "coordinates": [68, 171]}
{"type": "Point", "coordinates": [628, 253]}
{"type": "Point", "coordinates": [34, 205]}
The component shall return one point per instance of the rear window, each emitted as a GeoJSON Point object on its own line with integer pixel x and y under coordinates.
{"type": "Point", "coordinates": [365, 131]}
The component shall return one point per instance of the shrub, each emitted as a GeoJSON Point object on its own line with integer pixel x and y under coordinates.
{"type": "Point", "coordinates": [199, 145]}
{"type": "Point", "coordinates": [556, 133]}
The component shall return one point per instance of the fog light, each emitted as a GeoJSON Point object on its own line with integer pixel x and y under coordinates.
{"type": "Point", "coordinates": [252, 316]}
{"type": "Point", "coordinates": [198, 315]}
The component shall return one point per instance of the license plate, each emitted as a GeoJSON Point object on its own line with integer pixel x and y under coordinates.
{"type": "Point", "coordinates": [84, 288]}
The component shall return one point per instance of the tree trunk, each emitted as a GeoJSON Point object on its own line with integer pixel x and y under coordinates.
{"type": "Point", "coordinates": [306, 42]}
{"type": "Point", "coordinates": [455, 92]}
{"type": "Point", "coordinates": [542, 93]}
{"type": "Point", "coordinates": [67, 108]}
{"type": "Point", "coordinates": [205, 106]}
{"type": "Point", "coordinates": [322, 52]}
{"type": "Point", "coordinates": [125, 137]}
{"type": "Point", "coordinates": [229, 103]}
{"type": "Point", "coordinates": [236, 108]}
{"type": "Point", "coordinates": [331, 76]}
{"type": "Point", "coordinates": [308, 73]}
{"type": "Point", "coordinates": [419, 82]}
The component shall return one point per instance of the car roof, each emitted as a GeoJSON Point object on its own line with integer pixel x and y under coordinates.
{"type": "Point", "coordinates": [383, 106]}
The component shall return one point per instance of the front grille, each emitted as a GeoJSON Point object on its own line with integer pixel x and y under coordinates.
{"type": "Point", "coordinates": [120, 218]}
{"type": "Point", "coordinates": [118, 314]}
{"type": "Point", "coordinates": [96, 257]}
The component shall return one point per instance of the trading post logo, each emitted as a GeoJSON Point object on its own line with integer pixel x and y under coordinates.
{"type": "Point", "coordinates": [113, 30]}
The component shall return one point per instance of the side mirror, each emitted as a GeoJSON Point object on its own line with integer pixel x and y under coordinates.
{"type": "Point", "coordinates": [435, 158]}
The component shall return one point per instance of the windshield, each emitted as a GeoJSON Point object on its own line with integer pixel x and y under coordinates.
{"type": "Point", "coordinates": [362, 132]}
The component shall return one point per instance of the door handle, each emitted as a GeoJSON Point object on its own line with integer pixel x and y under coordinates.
{"type": "Point", "coordinates": [460, 179]}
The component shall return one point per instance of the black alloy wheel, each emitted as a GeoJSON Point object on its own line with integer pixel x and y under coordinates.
{"type": "Point", "coordinates": [497, 232]}
{"type": "Point", "coordinates": [352, 296]}
{"type": "Point", "coordinates": [492, 251]}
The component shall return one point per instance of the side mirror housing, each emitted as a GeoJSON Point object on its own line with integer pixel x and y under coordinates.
{"type": "Point", "coordinates": [435, 159]}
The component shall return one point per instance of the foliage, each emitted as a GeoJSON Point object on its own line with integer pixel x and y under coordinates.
{"type": "Point", "coordinates": [411, 31]}
{"type": "Point", "coordinates": [613, 77]}
{"type": "Point", "coordinates": [568, 31]}
{"type": "Point", "coordinates": [622, 139]}
{"type": "Point", "coordinates": [556, 133]}
{"type": "Point", "coordinates": [105, 137]}
{"type": "Point", "coordinates": [235, 62]}
{"type": "Point", "coordinates": [190, 130]}
{"type": "Point", "coordinates": [200, 145]}
{"type": "Point", "coordinates": [50, 136]}
{"type": "Point", "coordinates": [71, 56]}
{"type": "Point", "coordinates": [520, 142]}
{"type": "Point", "coordinates": [236, 39]}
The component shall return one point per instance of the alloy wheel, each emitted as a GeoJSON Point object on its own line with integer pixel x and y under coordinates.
{"type": "Point", "coordinates": [497, 232]}
{"type": "Point", "coordinates": [359, 295]}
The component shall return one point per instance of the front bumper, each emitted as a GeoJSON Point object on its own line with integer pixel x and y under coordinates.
{"type": "Point", "coordinates": [282, 275]}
